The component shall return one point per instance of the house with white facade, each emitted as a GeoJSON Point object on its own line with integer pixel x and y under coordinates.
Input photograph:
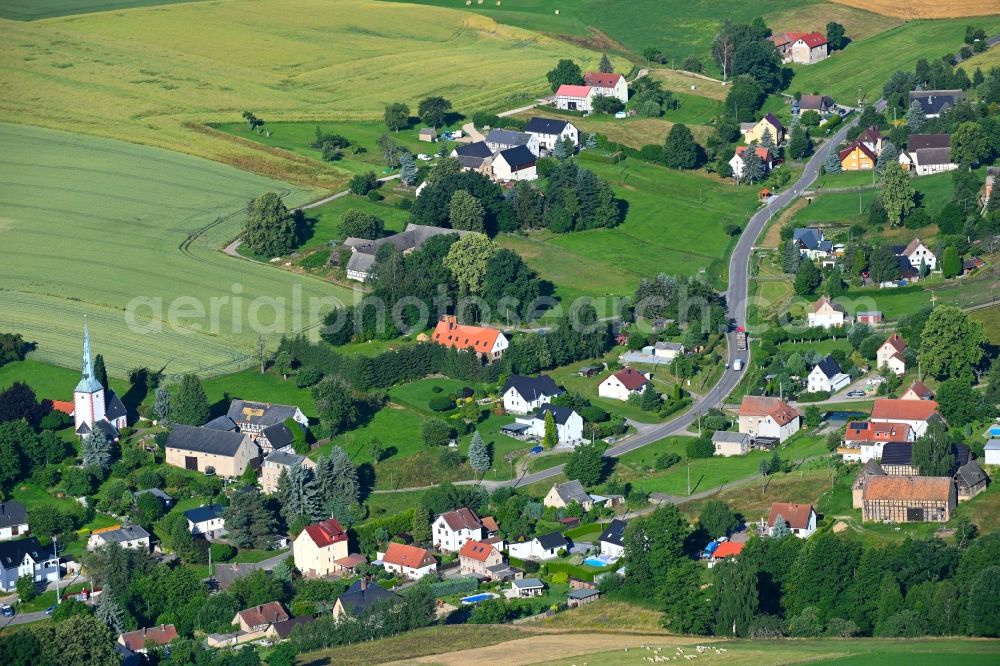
{"type": "Point", "coordinates": [827, 377]}
{"type": "Point", "coordinates": [812, 243]}
{"type": "Point", "coordinates": [500, 139]}
{"type": "Point", "coordinates": [410, 561]}
{"type": "Point", "coordinates": [890, 355]}
{"type": "Point", "coordinates": [607, 84]}
{"type": "Point", "coordinates": [668, 351]}
{"type": "Point", "coordinates": [548, 131]}
{"type": "Point", "coordinates": [453, 529]}
{"type": "Point", "coordinates": [569, 424]}
{"type": "Point", "coordinates": [318, 547]}
{"type": "Point", "coordinates": [26, 557]}
{"type": "Point", "coordinates": [523, 394]}
{"type": "Point", "coordinates": [129, 536]}
{"type": "Point", "coordinates": [826, 313]}
{"type": "Point", "coordinates": [915, 413]}
{"type": "Point", "coordinates": [612, 540]}
{"type": "Point", "coordinates": [864, 440]}
{"type": "Point", "coordinates": [623, 384]}
{"type": "Point", "coordinates": [916, 252]}
{"type": "Point", "coordinates": [13, 520]}
{"type": "Point", "coordinates": [207, 521]}
{"type": "Point", "coordinates": [575, 98]}
{"type": "Point", "coordinates": [799, 518]}
{"type": "Point", "coordinates": [762, 416]}
{"type": "Point", "coordinates": [738, 160]}
{"type": "Point", "coordinates": [561, 495]}
{"type": "Point", "coordinates": [544, 547]}
{"type": "Point", "coordinates": [804, 48]}
{"type": "Point", "coordinates": [514, 164]}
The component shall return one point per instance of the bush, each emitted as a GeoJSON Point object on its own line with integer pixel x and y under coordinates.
{"type": "Point", "coordinates": [318, 259]}
{"type": "Point", "coordinates": [700, 448]}
{"type": "Point", "coordinates": [666, 460]}
{"type": "Point", "coordinates": [363, 183]}
{"type": "Point", "coordinates": [455, 586]}
{"type": "Point", "coordinates": [815, 396]}
{"type": "Point", "coordinates": [307, 377]}
{"type": "Point", "coordinates": [436, 389]}
{"type": "Point", "coordinates": [55, 420]}
{"type": "Point", "coordinates": [222, 552]}
{"type": "Point", "coordinates": [594, 414]}
{"type": "Point", "coordinates": [373, 195]}
{"type": "Point", "coordinates": [830, 123]}
{"type": "Point", "coordinates": [441, 403]}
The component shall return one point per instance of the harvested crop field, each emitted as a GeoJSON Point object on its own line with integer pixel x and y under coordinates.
{"type": "Point", "coordinates": [930, 9]}
{"type": "Point", "coordinates": [858, 23]}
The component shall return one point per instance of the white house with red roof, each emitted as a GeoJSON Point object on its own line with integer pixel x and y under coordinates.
{"type": "Point", "coordinates": [409, 561]}
{"type": "Point", "coordinates": [623, 384]}
{"type": "Point", "coordinates": [799, 518]}
{"type": "Point", "coordinates": [826, 313]}
{"type": "Point", "coordinates": [918, 391]}
{"type": "Point", "coordinates": [916, 252]}
{"type": "Point", "coordinates": [804, 48]}
{"type": "Point", "coordinates": [452, 529]}
{"type": "Point", "coordinates": [761, 416]}
{"type": "Point", "coordinates": [737, 161]}
{"type": "Point", "coordinates": [318, 547]}
{"type": "Point", "coordinates": [915, 413]}
{"type": "Point", "coordinates": [476, 557]}
{"type": "Point", "coordinates": [864, 440]}
{"type": "Point", "coordinates": [485, 341]}
{"type": "Point", "coordinates": [575, 98]}
{"type": "Point", "coordinates": [890, 355]}
{"type": "Point", "coordinates": [607, 84]}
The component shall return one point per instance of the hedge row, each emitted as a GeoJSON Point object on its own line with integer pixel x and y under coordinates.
{"type": "Point", "coordinates": [455, 586]}
{"type": "Point", "coordinates": [394, 524]}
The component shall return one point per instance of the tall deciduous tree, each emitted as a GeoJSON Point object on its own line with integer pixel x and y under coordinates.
{"type": "Point", "coordinates": [896, 193]}
{"type": "Point", "coordinates": [883, 265]}
{"type": "Point", "coordinates": [807, 278]}
{"type": "Point", "coordinates": [951, 343]}
{"type": "Point", "coordinates": [951, 263]}
{"type": "Point", "coordinates": [551, 436]}
{"type": "Point", "coordinates": [361, 224]}
{"type": "Point", "coordinates": [189, 404]}
{"type": "Point", "coordinates": [566, 72]}
{"type": "Point", "coordinates": [836, 36]}
{"type": "Point", "coordinates": [397, 116]}
{"type": "Point", "coordinates": [270, 227]}
{"type": "Point", "coordinates": [465, 212]}
{"type": "Point", "coordinates": [735, 601]}
{"type": "Point", "coordinates": [433, 110]}
{"type": "Point", "coordinates": [799, 145]}
{"type": "Point", "coordinates": [335, 405]}
{"type": "Point", "coordinates": [467, 260]}
{"type": "Point", "coordinates": [970, 144]}
{"type": "Point", "coordinates": [718, 518]}
{"type": "Point", "coordinates": [680, 150]}
{"type": "Point", "coordinates": [586, 464]}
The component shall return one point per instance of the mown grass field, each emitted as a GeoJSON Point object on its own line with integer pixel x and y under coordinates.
{"type": "Point", "coordinates": [990, 317]}
{"type": "Point", "coordinates": [985, 61]}
{"type": "Point", "coordinates": [675, 224]}
{"type": "Point", "coordinates": [157, 76]}
{"type": "Point", "coordinates": [31, 10]}
{"type": "Point", "coordinates": [858, 23]}
{"type": "Point", "coordinates": [867, 64]}
{"type": "Point", "coordinates": [90, 224]}
{"type": "Point", "coordinates": [912, 9]}
{"type": "Point", "coordinates": [324, 221]}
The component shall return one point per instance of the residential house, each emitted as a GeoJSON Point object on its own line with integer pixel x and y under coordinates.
{"type": "Point", "coordinates": [857, 157]}
{"type": "Point", "coordinates": [226, 454]}
{"type": "Point", "coordinates": [908, 499]}
{"type": "Point", "coordinates": [827, 377]}
{"type": "Point", "coordinates": [736, 162]}
{"type": "Point", "coordinates": [726, 550]}
{"type": "Point", "coordinates": [488, 342]}
{"type": "Point", "coordinates": [544, 547]}
{"type": "Point", "coordinates": [804, 48]}
{"type": "Point", "coordinates": [924, 161]}
{"type": "Point", "coordinates": [278, 462]}
{"type": "Point", "coordinates": [476, 557]}
{"type": "Point", "coordinates": [409, 561]}
{"type": "Point", "coordinates": [260, 618]}
{"type": "Point", "coordinates": [872, 139]}
{"type": "Point", "coordinates": [525, 587]}
{"type": "Point", "coordinates": [318, 547]}
{"type": "Point", "coordinates": [936, 102]}
{"type": "Point", "coordinates": [13, 520]}
{"type": "Point", "coordinates": [917, 391]}
{"type": "Point", "coordinates": [547, 131]}
{"type": "Point", "coordinates": [991, 452]}
{"type": "Point", "coordinates": [500, 139]}
{"type": "Point", "coordinates": [799, 518]}
{"type": "Point", "coordinates": [728, 444]}
{"type": "Point", "coordinates": [869, 317]}
{"type": "Point", "coordinates": [360, 596]}
{"type": "Point", "coordinates": [129, 536]}
{"type": "Point", "coordinates": [582, 596]}
{"type": "Point", "coordinates": [476, 156]}
{"type": "Point", "coordinates": [561, 495]}
{"type": "Point", "coordinates": [452, 529]}
{"type": "Point", "coordinates": [812, 243]}
{"type": "Point", "coordinates": [890, 355]}
{"type": "Point", "coordinates": [864, 440]}
{"type": "Point", "coordinates": [970, 480]}
{"type": "Point", "coordinates": [136, 641]}
{"type": "Point", "coordinates": [513, 164]}
{"type": "Point", "coordinates": [668, 350]}
{"type": "Point", "coordinates": [575, 98]}
{"type": "Point", "coordinates": [207, 521]}
{"type": "Point", "coordinates": [916, 252]}
{"type": "Point", "coordinates": [254, 417]}
{"type": "Point", "coordinates": [821, 104]}
{"type": "Point", "coordinates": [915, 413]}
{"type": "Point", "coordinates": [768, 417]}
{"type": "Point", "coordinates": [607, 84]}
{"type": "Point", "coordinates": [826, 313]}
{"type": "Point", "coordinates": [523, 394]}
{"type": "Point", "coordinates": [569, 424]}
{"type": "Point", "coordinates": [428, 134]}
{"type": "Point", "coordinates": [769, 122]}
{"type": "Point", "coordinates": [26, 557]}
{"type": "Point", "coordinates": [363, 251]}
{"type": "Point", "coordinates": [613, 540]}
{"type": "Point", "coordinates": [623, 384]}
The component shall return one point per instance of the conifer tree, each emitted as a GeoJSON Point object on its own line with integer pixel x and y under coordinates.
{"type": "Point", "coordinates": [421, 527]}
{"type": "Point", "coordinates": [299, 495]}
{"type": "Point", "coordinates": [110, 613]}
{"type": "Point", "coordinates": [915, 118]}
{"type": "Point", "coordinates": [96, 450]}
{"type": "Point", "coordinates": [407, 170]}
{"type": "Point", "coordinates": [337, 477]}
{"type": "Point", "coordinates": [736, 601]}
{"type": "Point", "coordinates": [832, 162]}
{"type": "Point", "coordinates": [605, 66]}
{"type": "Point", "coordinates": [100, 371]}
{"type": "Point", "coordinates": [479, 455]}
{"type": "Point", "coordinates": [551, 436]}
{"type": "Point", "coordinates": [189, 404]}
{"type": "Point", "coordinates": [780, 528]}
{"type": "Point", "coordinates": [161, 405]}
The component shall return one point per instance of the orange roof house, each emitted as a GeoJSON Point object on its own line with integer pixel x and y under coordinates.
{"type": "Point", "coordinates": [857, 157]}
{"type": "Point", "coordinates": [483, 340]}
{"type": "Point", "coordinates": [408, 560]}
{"type": "Point", "coordinates": [476, 550]}
{"type": "Point", "coordinates": [918, 391]}
{"type": "Point", "coordinates": [135, 641]}
{"type": "Point", "coordinates": [888, 409]}
{"type": "Point", "coordinates": [758, 405]}
{"type": "Point", "coordinates": [799, 518]}
{"type": "Point", "coordinates": [763, 153]}
{"type": "Point", "coordinates": [885, 431]}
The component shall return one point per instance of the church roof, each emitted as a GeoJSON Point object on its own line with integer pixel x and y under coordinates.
{"type": "Point", "coordinates": [114, 408]}
{"type": "Point", "coordinates": [88, 383]}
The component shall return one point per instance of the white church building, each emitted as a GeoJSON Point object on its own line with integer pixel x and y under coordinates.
{"type": "Point", "coordinates": [93, 405]}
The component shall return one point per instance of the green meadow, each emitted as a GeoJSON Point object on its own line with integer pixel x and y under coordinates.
{"type": "Point", "coordinates": [32, 10]}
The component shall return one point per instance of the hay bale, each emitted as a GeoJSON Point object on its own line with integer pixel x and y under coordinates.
{"type": "Point", "coordinates": [557, 12]}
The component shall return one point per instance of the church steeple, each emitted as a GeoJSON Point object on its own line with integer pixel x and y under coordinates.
{"type": "Point", "coordinates": [88, 383]}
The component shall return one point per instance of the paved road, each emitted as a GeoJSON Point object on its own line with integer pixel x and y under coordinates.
{"type": "Point", "coordinates": [736, 296]}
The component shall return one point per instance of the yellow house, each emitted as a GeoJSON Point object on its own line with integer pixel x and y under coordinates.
{"type": "Point", "coordinates": [210, 451]}
{"type": "Point", "coordinates": [769, 122]}
{"type": "Point", "coordinates": [857, 157]}
{"type": "Point", "coordinates": [318, 547]}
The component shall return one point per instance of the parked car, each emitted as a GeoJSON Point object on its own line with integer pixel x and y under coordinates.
{"type": "Point", "coordinates": [50, 610]}
{"type": "Point", "coordinates": [855, 394]}
{"type": "Point", "coordinates": [536, 450]}
{"type": "Point", "coordinates": [6, 611]}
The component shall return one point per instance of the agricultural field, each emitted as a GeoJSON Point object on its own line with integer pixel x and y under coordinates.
{"type": "Point", "coordinates": [91, 224]}
{"type": "Point", "coordinates": [866, 65]}
{"type": "Point", "coordinates": [990, 317]}
{"type": "Point", "coordinates": [985, 61]}
{"type": "Point", "coordinates": [925, 9]}
{"type": "Point", "coordinates": [604, 262]}
{"type": "Point", "coordinates": [32, 10]}
{"type": "Point", "coordinates": [156, 77]}
{"type": "Point", "coordinates": [858, 23]}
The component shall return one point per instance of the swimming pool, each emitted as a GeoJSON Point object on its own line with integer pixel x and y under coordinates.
{"type": "Point", "coordinates": [476, 598]}
{"type": "Point", "coordinates": [995, 431]}
{"type": "Point", "coordinates": [596, 562]}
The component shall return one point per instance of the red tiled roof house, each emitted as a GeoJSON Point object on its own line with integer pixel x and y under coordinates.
{"type": "Point", "coordinates": [409, 561]}
{"type": "Point", "coordinates": [761, 416]}
{"type": "Point", "coordinates": [476, 557]}
{"type": "Point", "coordinates": [489, 343]}
{"type": "Point", "coordinates": [622, 384]}
{"type": "Point", "coordinates": [318, 547]}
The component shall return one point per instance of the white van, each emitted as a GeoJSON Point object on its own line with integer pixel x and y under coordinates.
{"type": "Point", "coordinates": [738, 364]}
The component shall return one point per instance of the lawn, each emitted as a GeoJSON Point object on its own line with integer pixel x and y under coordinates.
{"type": "Point", "coordinates": [689, 240]}
{"type": "Point", "coordinates": [858, 24]}
{"type": "Point", "coordinates": [250, 384]}
{"type": "Point", "coordinates": [867, 64]}
{"type": "Point", "coordinates": [752, 501]}
{"type": "Point", "coordinates": [989, 316]}
{"type": "Point", "coordinates": [324, 221]}
{"type": "Point", "coordinates": [676, 80]}
{"type": "Point", "coordinates": [158, 76]}
{"type": "Point", "coordinates": [568, 378]}
{"type": "Point", "coordinates": [129, 235]}
{"type": "Point", "coordinates": [48, 381]}
{"type": "Point", "coordinates": [31, 10]}
{"type": "Point", "coordinates": [892, 303]}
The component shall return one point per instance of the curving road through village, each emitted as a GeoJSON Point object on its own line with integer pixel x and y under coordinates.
{"type": "Point", "coordinates": [737, 295]}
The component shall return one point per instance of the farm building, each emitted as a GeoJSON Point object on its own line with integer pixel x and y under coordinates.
{"type": "Point", "coordinates": [607, 84]}
{"type": "Point", "coordinates": [908, 499]}
{"type": "Point", "coordinates": [574, 98]}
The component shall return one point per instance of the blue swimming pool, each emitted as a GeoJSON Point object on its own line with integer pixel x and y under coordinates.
{"type": "Point", "coordinates": [476, 598]}
{"type": "Point", "coordinates": [595, 562]}
{"type": "Point", "coordinates": [995, 431]}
